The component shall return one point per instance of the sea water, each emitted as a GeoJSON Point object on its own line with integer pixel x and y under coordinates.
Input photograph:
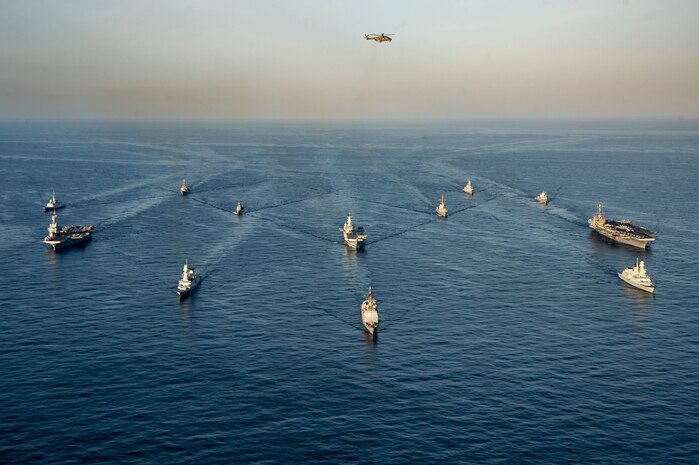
{"type": "Point", "coordinates": [505, 335]}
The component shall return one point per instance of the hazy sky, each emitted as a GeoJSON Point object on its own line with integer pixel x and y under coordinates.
{"type": "Point", "coordinates": [308, 59]}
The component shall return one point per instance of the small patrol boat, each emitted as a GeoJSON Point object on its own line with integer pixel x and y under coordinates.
{"type": "Point", "coordinates": [184, 190]}
{"type": "Point", "coordinates": [53, 204]}
{"type": "Point", "coordinates": [370, 314]}
{"type": "Point", "coordinates": [542, 198]}
{"type": "Point", "coordinates": [354, 238]}
{"type": "Point", "coordinates": [442, 208]}
{"type": "Point", "coordinates": [239, 209]}
{"type": "Point", "coordinates": [188, 282]}
{"type": "Point", "coordinates": [468, 188]}
{"type": "Point", "coordinates": [66, 236]}
{"type": "Point", "coordinates": [637, 277]}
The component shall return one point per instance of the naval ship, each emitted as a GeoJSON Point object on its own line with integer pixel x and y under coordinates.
{"type": "Point", "coordinates": [354, 238]}
{"type": "Point", "coordinates": [637, 277]}
{"type": "Point", "coordinates": [442, 208]}
{"type": "Point", "coordinates": [66, 236]}
{"type": "Point", "coordinates": [53, 204]}
{"type": "Point", "coordinates": [370, 314]}
{"type": "Point", "coordinates": [468, 188]}
{"type": "Point", "coordinates": [189, 281]}
{"type": "Point", "coordinates": [623, 231]}
{"type": "Point", "coordinates": [184, 190]}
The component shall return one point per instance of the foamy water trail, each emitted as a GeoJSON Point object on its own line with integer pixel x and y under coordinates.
{"type": "Point", "coordinates": [412, 189]}
{"type": "Point", "coordinates": [131, 210]}
{"type": "Point", "coordinates": [140, 184]}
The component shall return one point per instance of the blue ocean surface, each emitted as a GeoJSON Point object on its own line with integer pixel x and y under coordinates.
{"type": "Point", "coordinates": [505, 337]}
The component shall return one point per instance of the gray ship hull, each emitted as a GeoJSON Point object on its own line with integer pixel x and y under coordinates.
{"type": "Point", "coordinates": [373, 331]}
{"type": "Point", "coordinates": [62, 244]}
{"type": "Point", "coordinates": [640, 243]}
{"type": "Point", "coordinates": [354, 244]}
{"type": "Point", "coordinates": [640, 286]}
{"type": "Point", "coordinates": [183, 294]}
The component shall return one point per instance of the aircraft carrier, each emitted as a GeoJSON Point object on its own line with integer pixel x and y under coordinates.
{"type": "Point", "coordinates": [623, 231]}
{"type": "Point", "coordinates": [354, 238]}
{"type": "Point", "coordinates": [66, 236]}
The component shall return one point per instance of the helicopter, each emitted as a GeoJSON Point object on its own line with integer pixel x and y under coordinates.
{"type": "Point", "coordinates": [378, 37]}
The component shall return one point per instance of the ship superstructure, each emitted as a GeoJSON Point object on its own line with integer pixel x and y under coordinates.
{"type": "Point", "coordinates": [66, 236]}
{"type": "Point", "coordinates": [637, 277]}
{"type": "Point", "coordinates": [239, 209]}
{"type": "Point", "coordinates": [354, 237]}
{"type": "Point", "coordinates": [468, 188]}
{"type": "Point", "coordinates": [370, 314]}
{"type": "Point", "coordinates": [188, 282]}
{"type": "Point", "coordinates": [442, 211]}
{"type": "Point", "coordinates": [623, 231]}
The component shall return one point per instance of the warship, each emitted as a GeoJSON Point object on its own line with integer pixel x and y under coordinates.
{"type": "Point", "coordinates": [66, 236]}
{"type": "Point", "coordinates": [442, 208]}
{"type": "Point", "coordinates": [354, 238]}
{"type": "Point", "coordinates": [239, 209]}
{"type": "Point", "coordinates": [637, 277]}
{"type": "Point", "coordinates": [184, 190]}
{"type": "Point", "coordinates": [188, 282]}
{"type": "Point", "coordinates": [53, 204]}
{"type": "Point", "coordinates": [370, 314]}
{"type": "Point", "coordinates": [623, 231]}
{"type": "Point", "coordinates": [542, 198]}
{"type": "Point", "coordinates": [468, 188]}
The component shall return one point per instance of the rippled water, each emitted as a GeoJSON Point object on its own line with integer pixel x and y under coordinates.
{"type": "Point", "coordinates": [506, 336]}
